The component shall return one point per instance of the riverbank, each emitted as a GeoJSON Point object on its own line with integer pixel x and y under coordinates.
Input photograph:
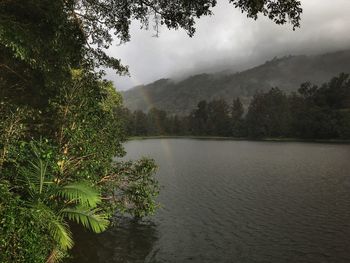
{"type": "Point", "coordinates": [240, 139]}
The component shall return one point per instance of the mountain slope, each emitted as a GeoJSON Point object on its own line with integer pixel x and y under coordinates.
{"type": "Point", "coordinates": [287, 73]}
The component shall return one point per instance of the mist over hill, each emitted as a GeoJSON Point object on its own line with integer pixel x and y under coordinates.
{"type": "Point", "coordinates": [287, 73]}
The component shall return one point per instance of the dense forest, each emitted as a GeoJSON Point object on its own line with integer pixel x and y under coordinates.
{"type": "Point", "coordinates": [313, 112]}
{"type": "Point", "coordinates": [287, 73]}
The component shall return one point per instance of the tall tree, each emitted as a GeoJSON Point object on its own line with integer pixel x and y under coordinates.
{"type": "Point", "coordinates": [199, 119]}
{"type": "Point", "coordinates": [140, 123]}
{"type": "Point", "coordinates": [237, 124]}
{"type": "Point", "coordinates": [322, 112]}
{"type": "Point", "coordinates": [268, 114]}
{"type": "Point", "coordinates": [218, 118]}
{"type": "Point", "coordinates": [158, 123]}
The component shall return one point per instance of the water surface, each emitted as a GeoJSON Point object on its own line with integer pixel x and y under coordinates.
{"type": "Point", "coordinates": [236, 201]}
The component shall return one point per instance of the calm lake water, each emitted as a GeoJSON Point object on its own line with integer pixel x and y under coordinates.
{"type": "Point", "coordinates": [236, 201]}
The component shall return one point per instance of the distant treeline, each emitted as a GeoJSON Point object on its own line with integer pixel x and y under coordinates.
{"type": "Point", "coordinates": [313, 112]}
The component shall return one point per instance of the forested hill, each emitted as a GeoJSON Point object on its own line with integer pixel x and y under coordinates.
{"type": "Point", "coordinates": [287, 73]}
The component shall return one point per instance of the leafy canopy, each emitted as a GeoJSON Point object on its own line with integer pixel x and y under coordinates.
{"type": "Point", "coordinates": [38, 31]}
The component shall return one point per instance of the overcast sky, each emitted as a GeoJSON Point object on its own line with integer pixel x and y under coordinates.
{"type": "Point", "coordinates": [229, 40]}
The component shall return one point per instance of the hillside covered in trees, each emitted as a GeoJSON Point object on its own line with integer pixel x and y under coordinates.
{"type": "Point", "coordinates": [286, 73]}
{"type": "Point", "coordinates": [313, 112]}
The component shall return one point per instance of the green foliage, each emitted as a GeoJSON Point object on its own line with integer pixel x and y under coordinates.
{"type": "Point", "coordinates": [210, 118]}
{"type": "Point", "coordinates": [199, 118]}
{"type": "Point", "coordinates": [322, 112]}
{"type": "Point", "coordinates": [157, 122]}
{"type": "Point", "coordinates": [218, 118]}
{"type": "Point", "coordinates": [81, 193]}
{"type": "Point", "coordinates": [137, 188]}
{"type": "Point", "coordinates": [237, 109]}
{"type": "Point", "coordinates": [55, 226]}
{"type": "Point", "coordinates": [12, 129]}
{"type": "Point", "coordinates": [89, 218]}
{"type": "Point", "coordinates": [278, 11]}
{"type": "Point", "coordinates": [312, 113]}
{"type": "Point", "coordinates": [57, 201]}
{"type": "Point", "coordinates": [286, 73]}
{"type": "Point", "coordinates": [22, 236]}
{"type": "Point", "coordinates": [237, 122]}
{"type": "Point", "coordinates": [61, 178]}
{"type": "Point", "coordinates": [268, 114]}
{"type": "Point", "coordinates": [140, 122]}
{"type": "Point", "coordinates": [49, 35]}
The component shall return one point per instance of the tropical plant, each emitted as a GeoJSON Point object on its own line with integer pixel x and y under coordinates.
{"type": "Point", "coordinates": [56, 163]}
{"type": "Point", "coordinates": [54, 203]}
{"type": "Point", "coordinates": [22, 237]}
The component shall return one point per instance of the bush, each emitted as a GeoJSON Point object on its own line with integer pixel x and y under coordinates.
{"type": "Point", "coordinates": [22, 238]}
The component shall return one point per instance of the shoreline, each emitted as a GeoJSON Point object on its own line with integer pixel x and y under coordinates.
{"type": "Point", "coordinates": [333, 141]}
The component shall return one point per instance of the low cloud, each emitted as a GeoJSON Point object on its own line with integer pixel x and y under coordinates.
{"type": "Point", "coordinates": [229, 40]}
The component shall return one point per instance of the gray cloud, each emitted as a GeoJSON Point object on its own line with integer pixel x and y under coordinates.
{"type": "Point", "coordinates": [229, 40]}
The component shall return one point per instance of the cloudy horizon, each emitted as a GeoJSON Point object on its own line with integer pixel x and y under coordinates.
{"type": "Point", "coordinates": [229, 40]}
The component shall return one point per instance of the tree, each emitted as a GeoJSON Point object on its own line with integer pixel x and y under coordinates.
{"type": "Point", "coordinates": [268, 114]}
{"type": "Point", "coordinates": [50, 91]}
{"type": "Point", "coordinates": [45, 28]}
{"type": "Point", "coordinates": [127, 118]}
{"type": "Point", "coordinates": [237, 109]}
{"type": "Point", "coordinates": [54, 202]}
{"type": "Point", "coordinates": [199, 119]}
{"type": "Point", "coordinates": [237, 118]}
{"type": "Point", "coordinates": [140, 123]}
{"type": "Point", "coordinates": [176, 125]}
{"type": "Point", "coordinates": [218, 118]}
{"type": "Point", "coordinates": [20, 227]}
{"type": "Point", "coordinates": [322, 112]}
{"type": "Point", "coordinates": [75, 157]}
{"type": "Point", "coordinates": [315, 112]}
{"type": "Point", "coordinates": [158, 123]}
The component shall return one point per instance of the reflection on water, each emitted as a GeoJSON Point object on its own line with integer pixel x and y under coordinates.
{"type": "Point", "coordinates": [128, 241]}
{"type": "Point", "coordinates": [236, 201]}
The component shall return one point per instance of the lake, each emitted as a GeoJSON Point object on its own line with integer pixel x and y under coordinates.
{"type": "Point", "coordinates": [236, 201]}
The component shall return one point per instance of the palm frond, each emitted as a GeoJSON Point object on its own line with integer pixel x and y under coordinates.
{"type": "Point", "coordinates": [61, 233]}
{"type": "Point", "coordinates": [89, 218]}
{"type": "Point", "coordinates": [57, 228]}
{"type": "Point", "coordinates": [82, 193]}
{"type": "Point", "coordinates": [38, 166]}
{"type": "Point", "coordinates": [34, 175]}
{"type": "Point", "coordinates": [55, 256]}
